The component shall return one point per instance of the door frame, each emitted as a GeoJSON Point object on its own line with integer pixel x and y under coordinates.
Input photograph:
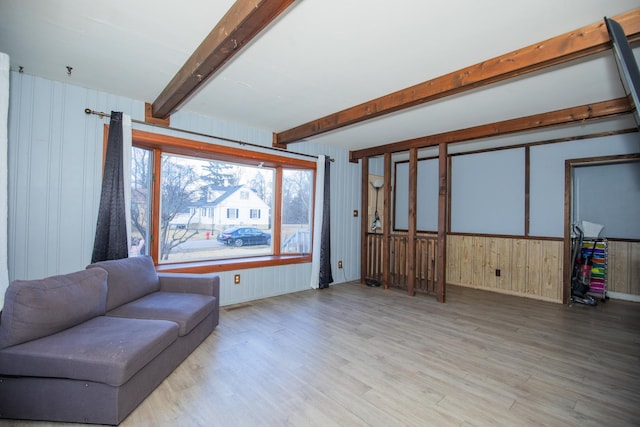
{"type": "Point", "coordinates": [569, 165]}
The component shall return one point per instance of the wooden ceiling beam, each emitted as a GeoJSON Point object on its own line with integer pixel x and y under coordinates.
{"type": "Point", "coordinates": [242, 22]}
{"type": "Point", "coordinates": [576, 44]}
{"type": "Point", "coordinates": [583, 113]}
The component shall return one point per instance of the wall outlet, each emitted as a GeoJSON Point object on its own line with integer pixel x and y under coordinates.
{"type": "Point", "coordinates": [497, 272]}
{"type": "Point", "coordinates": [236, 279]}
{"type": "Point", "coordinates": [339, 264]}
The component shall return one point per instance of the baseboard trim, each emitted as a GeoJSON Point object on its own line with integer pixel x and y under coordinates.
{"type": "Point", "coordinates": [625, 297]}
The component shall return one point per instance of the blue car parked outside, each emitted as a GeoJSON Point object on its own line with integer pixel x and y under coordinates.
{"type": "Point", "coordinates": [244, 236]}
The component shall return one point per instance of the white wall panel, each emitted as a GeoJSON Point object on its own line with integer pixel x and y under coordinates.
{"type": "Point", "coordinates": [263, 282]}
{"type": "Point", "coordinates": [345, 198]}
{"type": "Point", "coordinates": [4, 172]}
{"type": "Point", "coordinates": [55, 169]}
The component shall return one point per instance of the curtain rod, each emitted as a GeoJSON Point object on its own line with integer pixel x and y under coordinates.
{"type": "Point", "coordinates": [236, 141]}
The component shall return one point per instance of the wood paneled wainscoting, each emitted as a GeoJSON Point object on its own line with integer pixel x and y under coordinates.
{"type": "Point", "coordinates": [517, 266]}
{"type": "Point", "coordinates": [374, 257]}
{"type": "Point", "coordinates": [526, 267]}
{"type": "Point", "coordinates": [399, 269]}
{"type": "Point", "coordinates": [624, 267]}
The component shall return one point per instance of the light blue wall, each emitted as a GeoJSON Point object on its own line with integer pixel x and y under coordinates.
{"type": "Point", "coordinates": [594, 200]}
{"type": "Point", "coordinates": [488, 189]}
{"type": "Point", "coordinates": [488, 192]}
{"type": "Point", "coordinates": [547, 176]}
{"type": "Point", "coordinates": [55, 162]}
{"type": "Point", "coordinates": [427, 197]}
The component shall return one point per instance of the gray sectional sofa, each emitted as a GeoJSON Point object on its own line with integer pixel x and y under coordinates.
{"type": "Point", "coordinates": [89, 346]}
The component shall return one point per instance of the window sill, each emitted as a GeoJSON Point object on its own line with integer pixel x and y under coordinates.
{"type": "Point", "coordinates": [201, 267]}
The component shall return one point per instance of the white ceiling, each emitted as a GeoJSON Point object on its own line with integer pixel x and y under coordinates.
{"type": "Point", "coordinates": [319, 57]}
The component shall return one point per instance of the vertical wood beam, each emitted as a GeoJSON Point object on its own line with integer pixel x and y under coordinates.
{"type": "Point", "coordinates": [413, 198]}
{"type": "Point", "coordinates": [154, 246]}
{"type": "Point", "coordinates": [566, 274]}
{"type": "Point", "coordinates": [447, 222]}
{"type": "Point", "coordinates": [527, 189]}
{"type": "Point", "coordinates": [386, 227]}
{"type": "Point", "coordinates": [442, 221]}
{"type": "Point", "coordinates": [277, 220]}
{"type": "Point", "coordinates": [364, 226]}
{"type": "Point", "coordinates": [148, 117]}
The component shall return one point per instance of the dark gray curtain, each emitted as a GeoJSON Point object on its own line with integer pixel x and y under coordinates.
{"type": "Point", "coordinates": [111, 230]}
{"type": "Point", "coordinates": [325, 242]}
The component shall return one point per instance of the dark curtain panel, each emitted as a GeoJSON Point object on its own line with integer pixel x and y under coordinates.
{"type": "Point", "coordinates": [325, 243]}
{"type": "Point", "coordinates": [111, 230]}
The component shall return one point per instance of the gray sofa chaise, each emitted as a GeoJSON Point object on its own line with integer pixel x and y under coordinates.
{"type": "Point", "coordinates": [89, 346]}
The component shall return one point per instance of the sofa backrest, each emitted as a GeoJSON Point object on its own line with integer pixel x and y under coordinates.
{"type": "Point", "coordinates": [128, 279]}
{"type": "Point", "coordinates": [37, 308]}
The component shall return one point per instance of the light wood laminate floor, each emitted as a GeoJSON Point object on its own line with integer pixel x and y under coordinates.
{"type": "Point", "coordinates": [358, 356]}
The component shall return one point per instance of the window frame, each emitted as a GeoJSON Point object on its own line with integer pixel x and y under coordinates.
{"type": "Point", "coordinates": [159, 143]}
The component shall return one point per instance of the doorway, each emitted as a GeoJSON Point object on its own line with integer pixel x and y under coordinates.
{"type": "Point", "coordinates": [605, 190]}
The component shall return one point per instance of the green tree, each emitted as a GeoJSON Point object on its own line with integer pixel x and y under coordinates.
{"type": "Point", "coordinates": [220, 174]}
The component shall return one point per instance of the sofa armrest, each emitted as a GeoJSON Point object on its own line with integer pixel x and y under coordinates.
{"type": "Point", "coordinates": [190, 283]}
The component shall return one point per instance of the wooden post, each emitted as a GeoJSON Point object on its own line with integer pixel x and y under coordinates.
{"type": "Point", "coordinates": [442, 221]}
{"type": "Point", "coordinates": [411, 244]}
{"type": "Point", "coordinates": [527, 189]}
{"type": "Point", "coordinates": [386, 227]}
{"type": "Point", "coordinates": [364, 226]}
{"type": "Point", "coordinates": [567, 264]}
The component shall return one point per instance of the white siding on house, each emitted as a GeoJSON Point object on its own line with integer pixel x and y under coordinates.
{"type": "Point", "coordinates": [217, 216]}
{"type": "Point", "coordinates": [243, 206]}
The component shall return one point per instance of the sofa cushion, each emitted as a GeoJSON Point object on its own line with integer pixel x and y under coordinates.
{"type": "Point", "coordinates": [104, 349]}
{"type": "Point", "coordinates": [37, 308]}
{"type": "Point", "coordinates": [129, 279]}
{"type": "Point", "coordinates": [187, 310]}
